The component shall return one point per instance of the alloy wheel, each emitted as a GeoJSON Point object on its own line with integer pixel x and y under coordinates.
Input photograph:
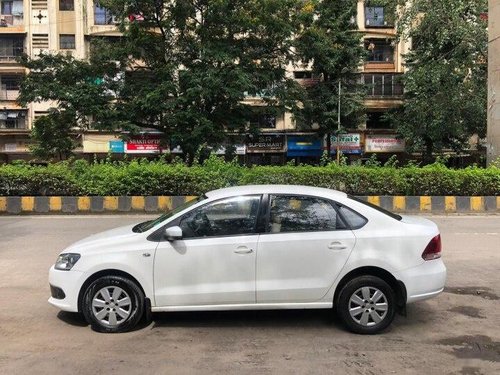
{"type": "Point", "coordinates": [368, 306]}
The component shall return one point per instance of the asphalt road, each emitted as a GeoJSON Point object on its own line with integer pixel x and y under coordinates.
{"type": "Point", "coordinates": [455, 333]}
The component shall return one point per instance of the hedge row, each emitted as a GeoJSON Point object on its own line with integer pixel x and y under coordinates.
{"type": "Point", "coordinates": [158, 178]}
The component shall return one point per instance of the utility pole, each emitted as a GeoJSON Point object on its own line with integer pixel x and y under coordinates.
{"type": "Point", "coordinates": [338, 128]}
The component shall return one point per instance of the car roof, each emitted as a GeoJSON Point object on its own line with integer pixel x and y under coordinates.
{"type": "Point", "coordinates": [275, 189]}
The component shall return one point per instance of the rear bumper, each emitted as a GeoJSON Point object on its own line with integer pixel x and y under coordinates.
{"type": "Point", "coordinates": [424, 281]}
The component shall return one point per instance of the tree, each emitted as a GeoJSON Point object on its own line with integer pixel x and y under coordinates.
{"type": "Point", "coordinates": [332, 45]}
{"type": "Point", "coordinates": [199, 59]}
{"type": "Point", "coordinates": [52, 135]}
{"type": "Point", "coordinates": [445, 85]}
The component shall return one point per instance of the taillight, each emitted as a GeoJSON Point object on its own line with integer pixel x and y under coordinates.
{"type": "Point", "coordinates": [433, 249]}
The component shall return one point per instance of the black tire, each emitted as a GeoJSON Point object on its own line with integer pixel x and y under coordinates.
{"type": "Point", "coordinates": [130, 313]}
{"type": "Point", "coordinates": [367, 310]}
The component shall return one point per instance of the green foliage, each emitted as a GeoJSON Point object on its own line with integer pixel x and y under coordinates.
{"type": "Point", "coordinates": [331, 44]}
{"type": "Point", "coordinates": [445, 96]}
{"type": "Point", "coordinates": [51, 135]}
{"type": "Point", "coordinates": [143, 177]}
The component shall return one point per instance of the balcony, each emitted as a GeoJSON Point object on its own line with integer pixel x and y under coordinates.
{"type": "Point", "coordinates": [12, 120]}
{"type": "Point", "coordinates": [383, 86]}
{"type": "Point", "coordinates": [11, 16]}
{"type": "Point", "coordinates": [306, 78]}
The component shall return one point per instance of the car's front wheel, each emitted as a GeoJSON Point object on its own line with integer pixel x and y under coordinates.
{"type": "Point", "coordinates": [113, 304]}
{"type": "Point", "coordinates": [366, 305]}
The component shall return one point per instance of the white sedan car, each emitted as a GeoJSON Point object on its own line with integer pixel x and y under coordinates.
{"type": "Point", "coordinates": [255, 247]}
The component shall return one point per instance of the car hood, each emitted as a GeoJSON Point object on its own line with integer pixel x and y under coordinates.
{"type": "Point", "coordinates": [99, 240]}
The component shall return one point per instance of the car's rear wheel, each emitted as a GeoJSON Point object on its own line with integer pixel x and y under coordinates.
{"type": "Point", "coordinates": [366, 305]}
{"type": "Point", "coordinates": [113, 304]}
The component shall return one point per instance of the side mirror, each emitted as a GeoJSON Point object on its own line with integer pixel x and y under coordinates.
{"type": "Point", "coordinates": [173, 233]}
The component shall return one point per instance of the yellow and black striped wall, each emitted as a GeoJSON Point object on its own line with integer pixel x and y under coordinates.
{"type": "Point", "coordinates": [158, 204]}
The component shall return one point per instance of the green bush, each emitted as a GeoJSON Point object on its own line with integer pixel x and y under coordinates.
{"type": "Point", "coordinates": [142, 177]}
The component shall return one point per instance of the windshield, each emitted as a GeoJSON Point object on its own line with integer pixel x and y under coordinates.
{"type": "Point", "coordinates": [380, 209]}
{"type": "Point", "coordinates": [147, 225]}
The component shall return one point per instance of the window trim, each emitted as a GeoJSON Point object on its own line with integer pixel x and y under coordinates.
{"type": "Point", "coordinates": [158, 237]}
{"type": "Point", "coordinates": [328, 200]}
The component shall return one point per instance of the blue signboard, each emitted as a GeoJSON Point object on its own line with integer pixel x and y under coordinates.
{"type": "Point", "coordinates": [304, 146]}
{"type": "Point", "coordinates": [117, 147]}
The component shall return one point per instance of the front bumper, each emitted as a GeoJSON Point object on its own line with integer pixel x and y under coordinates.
{"type": "Point", "coordinates": [424, 281]}
{"type": "Point", "coordinates": [70, 282]}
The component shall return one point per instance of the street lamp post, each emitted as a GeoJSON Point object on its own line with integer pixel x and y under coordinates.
{"type": "Point", "coordinates": [338, 128]}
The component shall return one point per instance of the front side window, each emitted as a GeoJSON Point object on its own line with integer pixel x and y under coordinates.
{"type": "Point", "coordinates": [66, 5]}
{"type": "Point", "coordinates": [301, 214]}
{"type": "Point", "coordinates": [67, 41]}
{"type": "Point", "coordinates": [226, 217]}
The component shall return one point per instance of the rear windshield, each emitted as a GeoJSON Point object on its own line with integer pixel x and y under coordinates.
{"type": "Point", "coordinates": [375, 207]}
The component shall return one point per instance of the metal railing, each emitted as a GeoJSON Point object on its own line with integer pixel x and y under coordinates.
{"type": "Point", "coordinates": [385, 85]}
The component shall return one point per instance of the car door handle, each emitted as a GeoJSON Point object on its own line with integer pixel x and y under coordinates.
{"type": "Point", "coordinates": [337, 246]}
{"type": "Point", "coordinates": [243, 250]}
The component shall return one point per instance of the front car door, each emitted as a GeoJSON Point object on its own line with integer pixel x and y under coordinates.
{"type": "Point", "coordinates": [214, 262]}
{"type": "Point", "coordinates": [305, 247]}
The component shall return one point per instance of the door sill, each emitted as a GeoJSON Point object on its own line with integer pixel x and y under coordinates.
{"type": "Point", "coordinates": [246, 306]}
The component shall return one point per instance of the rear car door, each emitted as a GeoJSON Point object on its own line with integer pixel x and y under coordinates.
{"type": "Point", "coordinates": [304, 248]}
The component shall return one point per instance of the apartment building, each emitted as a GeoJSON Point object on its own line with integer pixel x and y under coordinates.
{"type": "Point", "coordinates": [65, 26]}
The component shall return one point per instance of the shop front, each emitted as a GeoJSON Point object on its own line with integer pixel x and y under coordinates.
{"type": "Point", "coordinates": [305, 149]}
{"type": "Point", "coordinates": [266, 149]}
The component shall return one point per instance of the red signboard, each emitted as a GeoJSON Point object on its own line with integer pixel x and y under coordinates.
{"type": "Point", "coordinates": [144, 144]}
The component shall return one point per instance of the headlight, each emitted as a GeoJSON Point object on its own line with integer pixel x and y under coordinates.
{"type": "Point", "coordinates": [65, 262]}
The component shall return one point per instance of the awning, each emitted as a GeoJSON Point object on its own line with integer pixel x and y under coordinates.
{"type": "Point", "coordinates": [304, 146]}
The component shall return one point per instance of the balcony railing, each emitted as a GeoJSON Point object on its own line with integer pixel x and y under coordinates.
{"type": "Point", "coordinates": [383, 85]}
{"type": "Point", "coordinates": [8, 95]}
{"type": "Point", "coordinates": [14, 124]}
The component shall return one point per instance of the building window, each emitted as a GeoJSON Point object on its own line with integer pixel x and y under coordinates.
{"type": "Point", "coordinates": [263, 121]}
{"type": "Point", "coordinates": [379, 14]}
{"type": "Point", "coordinates": [67, 41]}
{"type": "Point", "coordinates": [10, 48]}
{"type": "Point", "coordinates": [12, 119]}
{"type": "Point", "coordinates": [7, 7]}
{"type": "Point", "coordinates": [11, 82]}
{"type": "Point", "coordinates": [66, 5]}
{"type": "Point", "coordinates": [377, 120]}
{"type": "Point", "coordinates": [380, 50]}
{"type": "Point", "coordinates": [103, 16]}
{"type": "Point", "coordinates": [386, 85]}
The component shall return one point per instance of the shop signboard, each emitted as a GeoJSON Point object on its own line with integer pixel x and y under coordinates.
{"type": "Point", "coordinates": [304, 145]}
{"type": "Point", "coordinates": [384, 143]}
{"type": "Point", "coordinates": [266, 143]}
{"type": "Point", "coordinates": [144, 144]}
{"type": "Point", "coordinates": [117, 147]}
{"type": "Point", "coordinates": [350, 143]}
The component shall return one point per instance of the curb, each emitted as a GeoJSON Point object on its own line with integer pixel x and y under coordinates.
{"type": "Point", "coordinates": [158, 204]}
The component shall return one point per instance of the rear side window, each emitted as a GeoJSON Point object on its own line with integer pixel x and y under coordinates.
{"type": "Point", "coordinates": [375, 207]}
{"type": "Point", "coordinates": [302, 214]}
{"type": "Point", "coordinates": [354, 220]}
